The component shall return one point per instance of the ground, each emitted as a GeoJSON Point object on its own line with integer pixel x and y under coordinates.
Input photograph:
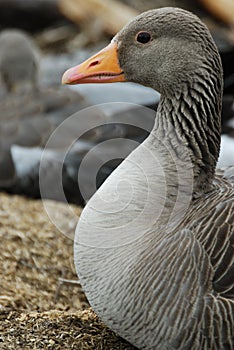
{"type": "Point", "coordinates": [42, 305]}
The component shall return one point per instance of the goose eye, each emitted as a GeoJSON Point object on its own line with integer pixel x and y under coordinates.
{"type": "Point", "coordinates": [143, 37]}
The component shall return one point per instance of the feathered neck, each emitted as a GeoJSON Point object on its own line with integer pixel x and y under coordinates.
{"type": "Point", "coordinates": [194, 113]}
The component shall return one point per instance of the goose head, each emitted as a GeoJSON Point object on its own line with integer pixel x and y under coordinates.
{"type": "Point", "coordinates": [171, 51]}
{"type": "Point", "coordinates": [161, 49]}
{"type": "Point", "coordinates": [18, 61]}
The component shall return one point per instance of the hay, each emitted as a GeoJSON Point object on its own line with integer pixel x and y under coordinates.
{"type": "Point", "coordinates": [42, 305]}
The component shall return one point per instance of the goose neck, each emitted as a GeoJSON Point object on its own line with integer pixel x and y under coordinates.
{"type": "Point", "coordinates": [192, 117]}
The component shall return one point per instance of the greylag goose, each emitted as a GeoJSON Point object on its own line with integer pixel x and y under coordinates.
{"type": "Point", "coordinates": [19, 58]}
{"type": "Point", "coordinates": [154, 245]}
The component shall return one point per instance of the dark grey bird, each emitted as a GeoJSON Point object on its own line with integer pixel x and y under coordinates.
{"type": "Point", "coordinates": [154, 245]}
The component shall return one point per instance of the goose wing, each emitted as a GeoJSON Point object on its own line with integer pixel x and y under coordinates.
{"type": "Point", "coordinates": [215, 232]}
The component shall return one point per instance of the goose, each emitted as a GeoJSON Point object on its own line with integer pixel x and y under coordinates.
{"type": "Point", "coordinates": [19, 59]}
{"type": "Point", "coordinates": [153, 247]}
{"type": "Point", "coordinates": [29, 111]}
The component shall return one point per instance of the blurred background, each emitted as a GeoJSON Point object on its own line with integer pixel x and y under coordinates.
{"type": "Point", "coordinates": [39, 40]}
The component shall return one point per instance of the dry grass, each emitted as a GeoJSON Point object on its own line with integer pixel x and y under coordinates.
{"type": "Point", "coordinates": [39, 307]}
{"type": "Point", "coordinates": [57, 330]}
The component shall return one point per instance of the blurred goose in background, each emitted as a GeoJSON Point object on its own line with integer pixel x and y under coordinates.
{"type": "Point", "coordinates": [154, 245]}
{"type": "Point", "coordinates": [19, 60]}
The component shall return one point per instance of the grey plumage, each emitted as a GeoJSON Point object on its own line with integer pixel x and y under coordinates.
{"type": "Point", "coordinates": [154, 246]}
{"type": "Point", "coordinates": [19, 58]}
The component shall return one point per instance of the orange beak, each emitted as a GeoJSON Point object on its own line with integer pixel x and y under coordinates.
{"type": "Point", "coordinates": [101, 68]}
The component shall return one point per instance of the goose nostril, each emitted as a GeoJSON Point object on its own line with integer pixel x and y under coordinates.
{"type": "Point", "coordinates": [94, 63]}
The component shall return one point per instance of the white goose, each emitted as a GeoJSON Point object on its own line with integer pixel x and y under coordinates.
{"type": "Point", "coordinates": [154, 246]}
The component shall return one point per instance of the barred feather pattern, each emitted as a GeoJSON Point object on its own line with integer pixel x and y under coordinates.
{"type": "Point", "coordinates": [175, 290]}
{"type": "Point", "coordinates": [195, 114]}
{"type": "Point", "coordinates": [181, 282]}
